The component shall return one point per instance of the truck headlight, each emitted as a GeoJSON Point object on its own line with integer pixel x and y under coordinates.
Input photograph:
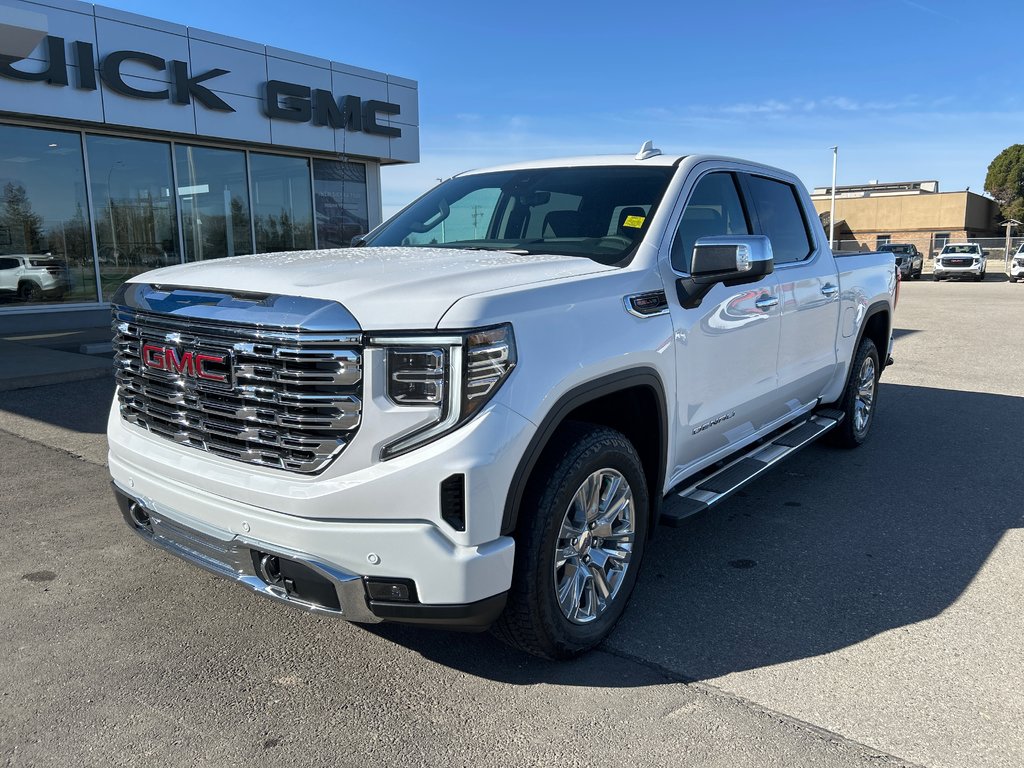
{"type": "Point", "coordinates": [456, 373]}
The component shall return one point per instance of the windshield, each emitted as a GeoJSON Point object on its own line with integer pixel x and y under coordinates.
{"type": "Point", "coordinates": [599, 213]}
{"type": "Point", "coordinates": [895, 248]}
{"type": "Point", "coordinates": [960, 249]}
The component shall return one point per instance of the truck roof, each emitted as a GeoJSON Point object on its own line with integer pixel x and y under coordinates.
{"type": "Point", "coordinates": [613, 160]}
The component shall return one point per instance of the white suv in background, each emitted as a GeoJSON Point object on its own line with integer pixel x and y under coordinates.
{"type": "Point", "coordinates": [33, 277]}
{"type": "Point", "coordinates": [1017, 265]}
{"type": "Point", "coordinates": [960, 260]}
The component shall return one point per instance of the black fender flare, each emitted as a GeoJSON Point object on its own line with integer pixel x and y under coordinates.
{"type": "Point", "coordinates": [581, 395]}
{"type": "Point", "coordinates": [875, 309]}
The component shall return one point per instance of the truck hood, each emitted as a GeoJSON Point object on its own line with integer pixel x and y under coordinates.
{"type": "Point", "coordinates": [384, 288]}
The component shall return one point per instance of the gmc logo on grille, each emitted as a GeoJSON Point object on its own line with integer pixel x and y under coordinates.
{"type": "Point", "coordinates": [195, 365]}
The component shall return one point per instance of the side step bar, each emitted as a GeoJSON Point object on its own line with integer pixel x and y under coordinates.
{"type": "Point", "coordinates": [725, 481]}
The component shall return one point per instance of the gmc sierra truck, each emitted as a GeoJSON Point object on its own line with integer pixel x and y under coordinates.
{"type": "Point", "coordinates": [478, 417]}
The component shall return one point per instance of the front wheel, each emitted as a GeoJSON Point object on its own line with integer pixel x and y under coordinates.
{"type": "Point", "coordinates": [860, 398]}
{"type": "Point", "coordinates": [583, 526]}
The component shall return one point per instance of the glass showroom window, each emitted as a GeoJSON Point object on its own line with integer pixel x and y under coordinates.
{"type": "Point", "coordinates": [45, 246]}
{"type": "Point", "coordinates": [341, 206]}
{"type": "Point", "coordinates": [214, 202]}
{"type": "Point", "coordinates": [136, 225]}
{"type": "Point", "coordinates": [282, 205]}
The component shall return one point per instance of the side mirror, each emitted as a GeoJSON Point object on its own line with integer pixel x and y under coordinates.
{"type": "Point", "coordinates": [732, 259]}
{"type": "Point", "coordinates": [728, 259]}
{"type": "Point", "coordinates": [985, 254]}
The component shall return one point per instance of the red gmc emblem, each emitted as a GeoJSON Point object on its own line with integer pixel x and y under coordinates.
{"type": "Point", "coordinates": [195, 365]}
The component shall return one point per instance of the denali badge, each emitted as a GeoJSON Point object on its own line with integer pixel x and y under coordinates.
{"type": "Point", "coordinates": [714, 422]}
{"type": "Point", "coordinates": [195, 365]}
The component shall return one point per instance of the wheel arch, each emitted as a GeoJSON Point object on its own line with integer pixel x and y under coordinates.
{"type": "Point", "coordinates": [626, 401]}
{"type": "Point", "coordinates": [877, 326]}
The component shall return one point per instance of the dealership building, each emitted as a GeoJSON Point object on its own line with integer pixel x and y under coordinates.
{"type": "Point", "coordinates": [916, 212]}
{"type": "Point", "coordinates": [129, 143]}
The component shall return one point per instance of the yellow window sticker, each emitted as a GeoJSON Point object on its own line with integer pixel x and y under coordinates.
{"type": "Point", "coordinates": [634, 221]}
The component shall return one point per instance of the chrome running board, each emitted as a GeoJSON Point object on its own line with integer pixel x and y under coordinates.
{"type": "Point", "coordinates": [710, 489]}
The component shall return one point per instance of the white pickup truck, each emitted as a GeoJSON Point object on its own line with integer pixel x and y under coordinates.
{"type": "Point", "coordinates": [479, 417]}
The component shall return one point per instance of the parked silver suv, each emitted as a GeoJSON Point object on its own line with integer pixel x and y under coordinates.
{"type": "Point", "coordinates": [33, 277]}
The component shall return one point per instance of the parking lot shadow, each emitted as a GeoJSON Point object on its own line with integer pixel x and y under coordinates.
{"type": "Point", "coordinates": [80, 406]}
{"type": "Point", "coordinates": [831, 549]}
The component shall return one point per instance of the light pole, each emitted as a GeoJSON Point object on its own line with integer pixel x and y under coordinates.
{"type": "Point", "coordinates": [832, 213]}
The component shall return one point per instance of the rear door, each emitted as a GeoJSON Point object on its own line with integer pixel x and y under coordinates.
{"type": "Point", "coordinates": [726, 348]}
{"type": "Point", "coordinates": [809, 289]}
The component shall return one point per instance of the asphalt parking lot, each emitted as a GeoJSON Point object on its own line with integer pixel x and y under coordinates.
{"type": "Point", "coordinates": [852, 609]}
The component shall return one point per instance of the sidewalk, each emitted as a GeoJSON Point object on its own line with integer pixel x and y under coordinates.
{"type": "Point", "coordinates": [55, 357]}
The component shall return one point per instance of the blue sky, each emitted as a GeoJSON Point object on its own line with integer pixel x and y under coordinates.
{"type": "Point", "coordinates": [908, 89]}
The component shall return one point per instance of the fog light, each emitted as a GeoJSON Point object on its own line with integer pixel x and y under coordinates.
{"type": "Point", "coordinates": [391, 590]}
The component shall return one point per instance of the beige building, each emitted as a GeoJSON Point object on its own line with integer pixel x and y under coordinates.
{"type": "Point", "coordinates": [915, 212]}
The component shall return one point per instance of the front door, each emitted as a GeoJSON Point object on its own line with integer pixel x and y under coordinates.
{"type": "Point", "coordinates": [726, 348]}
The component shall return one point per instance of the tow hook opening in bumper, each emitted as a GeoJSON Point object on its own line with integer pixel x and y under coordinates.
{"type": "Point", "coordinates": [295, 581]}
{"type": "Point", "coordinates": [139, 516]}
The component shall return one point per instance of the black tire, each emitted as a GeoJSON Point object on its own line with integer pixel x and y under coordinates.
{"type": "Point", "coordinates": [936, 278]}
{"type": "Point", "coordinates": [534, 620]}
{"type": "Point", "coordinates": [917, 275]}
{"type": "Point", "coordinates": [29, 291]}
{"type": "Point", "coordinates": [851, 432]}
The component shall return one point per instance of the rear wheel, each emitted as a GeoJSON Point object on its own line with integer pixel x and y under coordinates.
{"type": "Point", "coordinates": [29, 291]}
{"type": "Point", "coordinates": [860, 398]}
{"type": "Point", "coordinates": [583, 526]}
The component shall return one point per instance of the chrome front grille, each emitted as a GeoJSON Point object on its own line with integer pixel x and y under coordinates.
{"type": "Point", "coordinates": [275, 398]}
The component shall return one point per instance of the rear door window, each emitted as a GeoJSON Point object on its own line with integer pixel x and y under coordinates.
{"type": "Point", "coordinates": [781, 219]}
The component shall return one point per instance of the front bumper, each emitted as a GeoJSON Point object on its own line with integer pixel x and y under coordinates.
{"type": "Point", "coordinates": [1016, 271]}
{"type": "Point", "coordinates": [973, 271]}
{"type": "Point", "coordinates": [303, 580]}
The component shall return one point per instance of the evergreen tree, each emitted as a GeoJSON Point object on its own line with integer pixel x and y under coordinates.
{"type": "Point", "coordinates": [1005, 181]}
{"type": "Point", "coordinates": [23, 225]}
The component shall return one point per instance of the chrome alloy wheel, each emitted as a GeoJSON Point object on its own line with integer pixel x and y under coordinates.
{"type": "Point", "coordinates": [594, 546]}
{"type": "Point", "coordinates": [864, 400]}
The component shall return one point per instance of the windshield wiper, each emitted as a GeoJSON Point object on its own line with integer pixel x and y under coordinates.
{"type": "Point", "coordinates": [516, 251]}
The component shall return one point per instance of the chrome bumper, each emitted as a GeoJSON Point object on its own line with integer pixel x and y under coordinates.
{"type": "Point", "coordinates": [225, 554]}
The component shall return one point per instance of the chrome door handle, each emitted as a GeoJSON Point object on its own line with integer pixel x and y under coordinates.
{"type": "Point", "coordinates": [829, 290]}
{"type": "Point", "coordinates": [766, 302]}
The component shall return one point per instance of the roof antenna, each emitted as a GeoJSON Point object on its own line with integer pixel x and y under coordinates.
{"type": "Point", "coordinates": [647, 150]}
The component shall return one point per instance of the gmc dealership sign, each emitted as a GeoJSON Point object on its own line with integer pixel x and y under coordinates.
{"type": "Point", "coordinates": [293, 102]}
